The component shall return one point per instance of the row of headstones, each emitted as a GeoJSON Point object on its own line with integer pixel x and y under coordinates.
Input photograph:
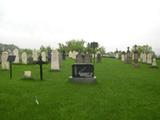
{"type": "Point", "coordinates": [87, 58]}
{"type": "Point", "coordinates": [24, 57]}
{"type": "Point", "coordinates": [143, 57]}
{"type": "Point", "coordinates": [55, 59]}
{"type": "Point", "coordinates": [73, 54]}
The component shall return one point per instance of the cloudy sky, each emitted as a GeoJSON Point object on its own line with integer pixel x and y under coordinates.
{"type": "Point", "coordinates": [112, 23]}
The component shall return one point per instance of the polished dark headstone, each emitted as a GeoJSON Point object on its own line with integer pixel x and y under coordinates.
{"type": "Point", "coordinates": [83, 73]}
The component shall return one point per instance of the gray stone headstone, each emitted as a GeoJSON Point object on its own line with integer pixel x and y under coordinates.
{"type": "Point", "coordinates": [87, 58]}
{"type": "Point", "coordinates": [128, 56]}
{"type": "Point", "coordinates": [4, 62]}
{"type": "Point", "coordinates": [16, 53]}
{"type": "Point", "coordinates": [55, 63]}
{"type": "Point", "coordinates": [35, 55]}
{"type": "Point", "coordinates": [80, 58]}
{"type": "Point", "coordinates": [154, 63]}
{"type": "Point", "coordinates": [144, 60]}
{"type": "Point", "coordinates": [24, 58]}
{"type": "Point", "coordinates": [44, 57]}
{"type": "Point", "coordinates": [149, 58]}
{"type": "Point", "coordinates": [123, 57]}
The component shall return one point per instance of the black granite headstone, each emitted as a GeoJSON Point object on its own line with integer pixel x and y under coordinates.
{"type": "Point", "coordinates": [83, 73]}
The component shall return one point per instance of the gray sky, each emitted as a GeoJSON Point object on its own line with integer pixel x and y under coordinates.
{"type": "Point", "coordinates": [112, 23]}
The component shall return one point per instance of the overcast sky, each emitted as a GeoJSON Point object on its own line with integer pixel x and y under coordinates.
{"type": "Point", "coordinates": [112, 23]}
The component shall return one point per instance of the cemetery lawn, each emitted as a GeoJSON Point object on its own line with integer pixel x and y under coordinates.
{"type": "Point", "coordinates": [122, 92]}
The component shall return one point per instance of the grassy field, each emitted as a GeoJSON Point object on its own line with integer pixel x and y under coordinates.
{"type": "Point", "coordinates": [122, 92]}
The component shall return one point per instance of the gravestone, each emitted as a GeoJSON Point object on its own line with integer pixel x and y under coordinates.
{"type": "Point", "coordinates": [87, 58]}
{"type": "Point", "coordinates": [135, 56]}
{"type": "Point", "coordinates": [117, 54]}
{"type": "Point", "coordinates": [24, 58]}
{"type": "Point", "coordinates": [70, 54]}
{"type": "Point", "coordinates": [55, 65]}
{"type": "Point", "coordinates": [16, 53]}
{"type": "Point", "coordinates": [83, 73]}
{"type": "Point", "coordinates": [27, 74]}
{"type": "Point", "coordinates": [144, 60]}
{"type": "Point", "coordinates": [60, 59]}
{"type": "Point", "coordinates": [4, 62]}
{"type": "Point", "coordinates": [49, 56]}
{"type": "Point", "coordinates": [35, 55]}
{"type": "Point", "coordinates": [99, 58]}
{"type": "Point", "coordinates": [128, 56]}
{"type": "Point", "coordinates": [123, 56]}
{"type": "Point", "coordinates": [44, 57]}
{"type": "Point", "coordinates": [74, 54]}
{"type": "Point", "coordinates": [149, 58]}
{"type": "Point", "coordinates": [154, 63]}
{"type": "Point", "coordinates": [80, 58]}
{"type": "Point", "coordinates": [141, 57]}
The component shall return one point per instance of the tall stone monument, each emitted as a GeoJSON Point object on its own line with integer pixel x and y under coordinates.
{"type": "Point", "coordinates": [24, 58]}
{"type": "Point", "coordinates": [4, 62]}
{"type": "Point", "coordinates": [35, 55]}
{"type": "Point", "coordinates": [16, 53]}
{"type": "Point", "coordinates": [44, 57]}
{"type": "Point", "coordinates": [55, 63]}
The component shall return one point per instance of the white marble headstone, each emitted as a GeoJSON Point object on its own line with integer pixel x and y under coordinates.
{"type": "Point", "coordinates": [16, 53]}
{"type": "Point", "coordinates": [35, 55]}
{"type": "Point", "coordinates": [154, 63]}
{"type": "Point", "coordinates": [24, 58]}
{"type": "Point", "coordinates": [123, 57]}
{"type": "Point", "coordinates": [4, 62]}
{"type": "Point", "coordinates": [144, 60]}
{"type": "Point", "coordinates": [149, 58]}
{"type": "Point", "coordinates": [55, 62]}
{"type": "Point", "coordinates": [44, 58]}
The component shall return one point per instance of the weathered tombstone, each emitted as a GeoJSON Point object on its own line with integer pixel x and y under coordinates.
{"type": "Point", "coordinates": [16, 53]}
{"type": "Point", "coordinates": [87, 58]}
{"type": "Point", "coordinates": [4, 62]}
{"type": "Point", "coordinates": [24, 58]}
{"type": "Point", "coordinates": [128, 56]}
{"type": "Point", "coordinates": [135, 56]}
{"type": "Point", "coordinates": [74, 54]}
{"type": "Point", "coordinates": [49, 56]}
{"type": "Point", "coordinates": [154, 63]}
{"type": "Point", "coordinates": [141, 57]}
{"type": "Point", "coordinates": [30, 59]}
{"type": "Point", "coordinates": [35, 55]}
{"type": "Point", "coordinates": [99, 58]}
{"type": "Point", "coordinates": [27, 74]}
{"type": "Point", "coordinates": [44, 57]}
{"type": "Point", "coordinates": [83, 73]}
{"type": "Point", "coordinates": [144, 60]}
{"type": "Point", "coordinates": [117, 54]}
{"type": "Point", "coordinates": [149, 58]}
{"type": "Point", "coordinates": [60, 59]}
{"type": "Point", "coordinates": [80, 58]}
{"type": "Point", "coordinates": [94, 45]}
{"type": "Point", "coordinates": [70, 54]}
{"type": "Point", "coordinates": [123, 56]}
{"type": "Point", "coordinates": [55, 65]}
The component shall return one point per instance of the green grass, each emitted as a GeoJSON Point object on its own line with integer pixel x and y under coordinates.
{"type": "Point", "coordinates": [122, 92]}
